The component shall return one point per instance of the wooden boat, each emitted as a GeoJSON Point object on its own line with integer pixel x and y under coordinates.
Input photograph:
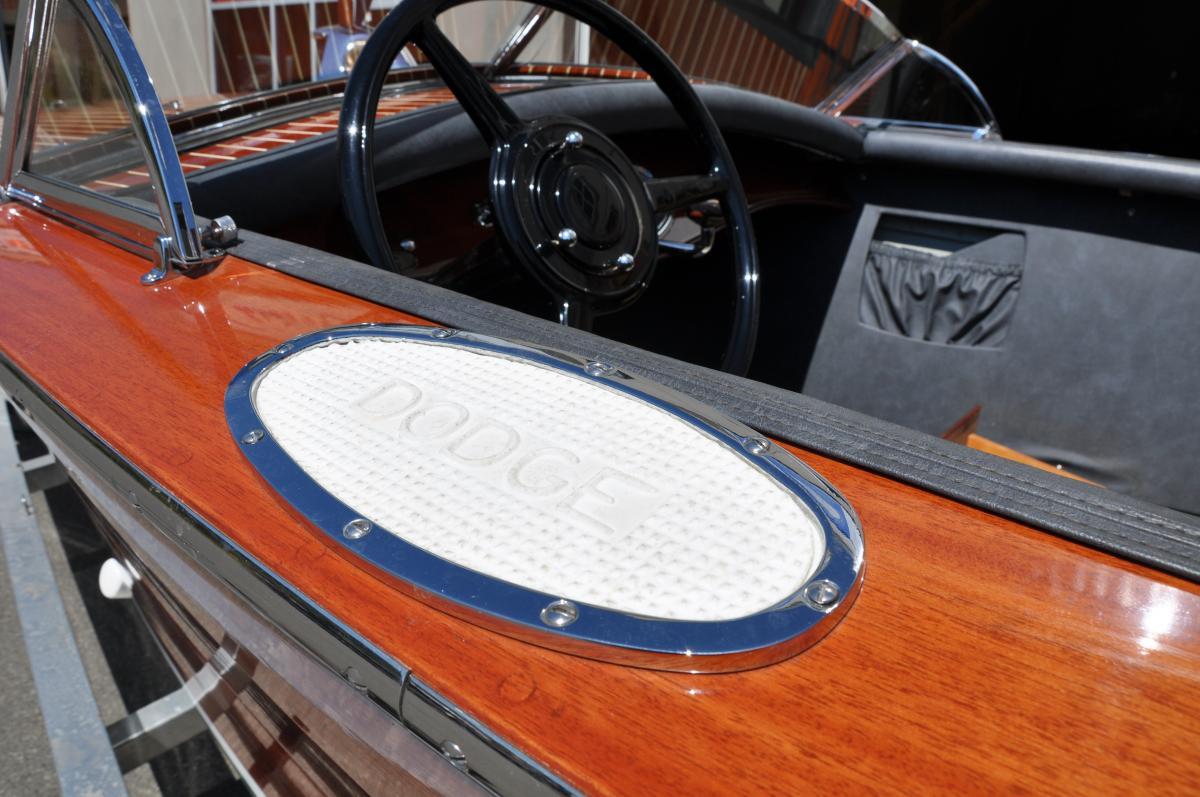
{"type": "Point", "coordinates": [405, 539]}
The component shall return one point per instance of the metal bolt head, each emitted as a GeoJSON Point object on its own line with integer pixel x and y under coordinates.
{"type": "Point", "coordinates": [560, 614]}
{"type": "Point", "coordinates": [283, 349]}
{"type": "Point", "coordinates": [822, 593]}
{"type": "Point", "coordinates": [598, 369]}
{"type": "Point", "coordinates": [567, 237]}
{"type": "Point", "coordinates": [253, 436]}
{"type": "Point", "coordinates": [756, 445]}
{"type": "Point", "coordinates": [153, 277]}
{"type": "Point", "coordinates": [442, 333]}
{"type": "Point", "coordinates": [354, 679]}
{"type": "Point", "coordinates": [357, 529]}
{"type": "Point", "coordinates": [573, 139]}
{"type": "Point", "coordinates": [408, 245]}
{"type": "Point", "coordinates": [454, 753]}
{"type": "Point", "coordinates": [625, 262]}
{"type": "Point", "coordinates": [221, 231]}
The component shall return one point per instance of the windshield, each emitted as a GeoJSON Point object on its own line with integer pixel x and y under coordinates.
{"type": "Point", "coordinates": [798, 50]}
{"type": "Point", "coordinates": [203, 52]}
{"type": "Point", "coordinates": [215, 60]}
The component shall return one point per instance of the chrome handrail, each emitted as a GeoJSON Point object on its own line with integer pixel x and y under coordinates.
{"type": "Point", "coordinates": [172, 239]}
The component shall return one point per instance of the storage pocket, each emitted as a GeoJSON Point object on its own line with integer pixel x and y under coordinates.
{"type": "Point", "coordinates": [952, 299]}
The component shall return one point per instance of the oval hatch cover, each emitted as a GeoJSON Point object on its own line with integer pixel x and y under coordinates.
{"type": "Point", "coordinates": [552, 498]}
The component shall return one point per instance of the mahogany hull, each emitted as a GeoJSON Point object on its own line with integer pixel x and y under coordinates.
{"type": "Point", "coordinates": [980, 655]}
{"type": "Point", "coordinates": [297, 728]}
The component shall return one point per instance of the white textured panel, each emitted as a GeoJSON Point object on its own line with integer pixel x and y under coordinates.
{"type": "Point", "coordinates": [541, 479]}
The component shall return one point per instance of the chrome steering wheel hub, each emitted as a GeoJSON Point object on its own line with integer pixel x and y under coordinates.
{"type": "Point", "coordinates": [574, 203]}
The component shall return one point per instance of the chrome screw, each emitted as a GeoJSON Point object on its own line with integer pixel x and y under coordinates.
{"type": "Point", "coordinates": [573, 139]}
{"type": "Point", "coordinates": [756, 445]}
{"type": "Point", "coordinates": [560, 614]}
{"type": "Point", "coordinates": [283, 349]}
{"type": "Point", "coordinates": [408, 245]}
{"type": "Point", "coordinates": [598, 369]}
{"type": "Point", "coordinates": [357, 529]}
{"type": "Point", "coordinates": [454, 754]}
{"type": "Point", "coordinates": [822, 593]}
{"type": "Point", "coordinates": [352, 677]}
{"type": "Point", "coordinates": [567, 236]}
{"type": "Point", "coordinates": [625, 262]}
{"type": "Point", "coordinates": [253, 436]}
{"type": "Point", "coordinates": [442, 332]}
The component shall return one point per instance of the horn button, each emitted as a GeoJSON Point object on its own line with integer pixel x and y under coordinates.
{"type": "Point", "coordinates": [565, 191]}
{"type": "Point", "coordinates": [591, 204]}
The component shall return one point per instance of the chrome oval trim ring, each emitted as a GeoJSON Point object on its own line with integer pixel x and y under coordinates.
{"type": "Point", "coordinates": [592, 631]}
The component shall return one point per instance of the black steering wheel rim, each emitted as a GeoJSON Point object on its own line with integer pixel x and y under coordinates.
{"type": "Point", "coordinates": [612, 282]}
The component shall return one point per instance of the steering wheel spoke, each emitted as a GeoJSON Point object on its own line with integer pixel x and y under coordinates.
{"type": "Point", "coordinates": [568, 204]}
{"type": "Point", "coordinates": [496, 121]}
{"type": "Point", "coordinates": [673, 193]}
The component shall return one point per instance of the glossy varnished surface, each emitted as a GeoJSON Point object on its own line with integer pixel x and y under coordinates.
{"type": "Point", "coordinates": [980, 654]}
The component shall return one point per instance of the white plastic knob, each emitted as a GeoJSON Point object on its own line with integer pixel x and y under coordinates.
{"type": "Point", "coordinates": [116, 582]}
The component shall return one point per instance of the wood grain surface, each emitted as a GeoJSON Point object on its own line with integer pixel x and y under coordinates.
{"type": "Point", "coordinates": [981, 655]}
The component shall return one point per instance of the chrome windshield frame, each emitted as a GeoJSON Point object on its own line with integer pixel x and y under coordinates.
{"type": "Point", "coordinates": [887, 58]}
{"type": "Point", "coordinates": [955, 73]}
{"type": "Point", "coordinates": [518, 39]}
{"type": "Point", "coordinates": [171, 237]}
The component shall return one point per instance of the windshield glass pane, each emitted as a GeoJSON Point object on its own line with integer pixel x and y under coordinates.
{"type": "Point", "coordinates": [914, 90]}
{"type": "Point", "coordinates": [797, 50]}
{"type": "Point", "coordinates": [201, 52]}
{"type": "Point", "coordinates": [82, 132]}
{"type": "Point", "coordinates": [259, 45]}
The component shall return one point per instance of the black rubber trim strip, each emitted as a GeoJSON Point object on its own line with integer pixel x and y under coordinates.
{"type": "Point", "coordinates": [1125, 171]}
{"type": "Point", "coordinates": [1120, 525]}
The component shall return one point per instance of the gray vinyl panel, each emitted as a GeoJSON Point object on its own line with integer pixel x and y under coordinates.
{"type": "Point", "coordinates": [1098, 371]}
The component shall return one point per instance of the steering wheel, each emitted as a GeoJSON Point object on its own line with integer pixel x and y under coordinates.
{"type": "Point", "coordinates": [567, 202]}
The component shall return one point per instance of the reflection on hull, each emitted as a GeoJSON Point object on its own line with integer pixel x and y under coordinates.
{"type": "Point", "coordinates": [306, 705]}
